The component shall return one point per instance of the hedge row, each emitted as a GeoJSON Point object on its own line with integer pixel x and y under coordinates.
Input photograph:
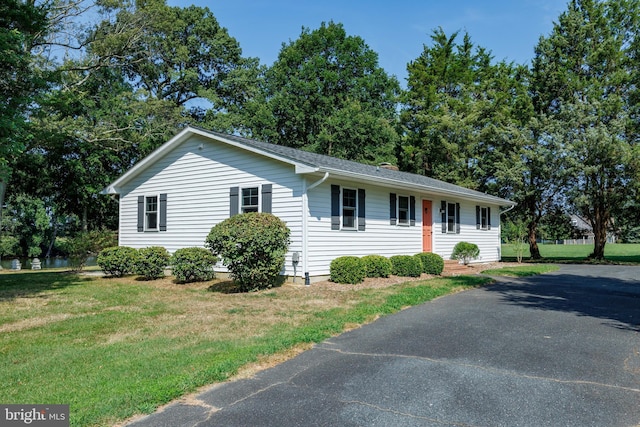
{"type": "Point", "coordinates": [188, 264]}
{"type": "Point", "coordinates": [351, 269]}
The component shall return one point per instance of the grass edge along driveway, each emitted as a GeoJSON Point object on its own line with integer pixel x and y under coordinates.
{"type": "Point", "coordinates": [113, 348]}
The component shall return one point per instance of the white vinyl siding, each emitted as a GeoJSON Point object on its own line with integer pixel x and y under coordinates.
{"type": "Point", "coordinates": [488, 241]}
{"type": "Point", "coordinates": [379, 238]}
{"type": "Point", "coordinates": [197, 182]}
{"type": "Point", "coordinates": [196, 176]}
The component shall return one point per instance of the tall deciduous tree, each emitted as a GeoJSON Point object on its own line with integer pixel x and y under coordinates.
{"type": "Point", "coordinates": [179, 55]}
{"type": "Point", "coordinates": [21, 22]}
{"type": "Point", "coordinates": [583, 80]}
{"type": "Point", "coordinates": [326, 93]}
{"type": "Point", "coordinates": [141, 72]}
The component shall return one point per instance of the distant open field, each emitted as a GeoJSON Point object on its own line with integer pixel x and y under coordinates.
{"type": "Point", "coordinates": [614, 252]}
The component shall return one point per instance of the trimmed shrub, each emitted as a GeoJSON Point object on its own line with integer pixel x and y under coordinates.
{"type": "Point", "coordinates": [118, 260]}
{"type": "Point", "coordinates": [347, 269]}
{"type": "Point", "coordinates": [376, 266]}
{"type": "Point", "coordinates": [431, 263]}
{"type": "Point", "coordinates": [151, 262]}
{"type": "Point", "coordinates": [193, 265]}
{"type": "Point", "coordinates": [465, 252]}
{"type": "Point", "coordinates": [406, 266]}
{"type": "Point", "coordinates": [253, 247]}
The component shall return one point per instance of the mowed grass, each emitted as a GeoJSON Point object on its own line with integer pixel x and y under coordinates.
{"type": "Point", "coordinates": [523, 270]}
{"type": "Point", "coordinates": [112, 348]}
{"type": "Point", "coordinates": [625, 253]}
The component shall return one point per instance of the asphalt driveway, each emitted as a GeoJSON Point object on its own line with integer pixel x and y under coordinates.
{"type": "Point", "coordinates": [561, 349]}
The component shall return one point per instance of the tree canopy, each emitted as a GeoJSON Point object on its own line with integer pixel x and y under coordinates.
{"type": "Point", "coordinates": [583, 80]}
{"type": "Point", "coordinates": [87, 89]}
{"type": "Point", "coordinates": [326, 93]}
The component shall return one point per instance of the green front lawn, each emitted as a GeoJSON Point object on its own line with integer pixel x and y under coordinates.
{"type": "Point", "coordinates": [525, 270]}
{"type": "Point", "coordinates": [112, 348]}
{"type": "Point", "coordinates": [614, 252]}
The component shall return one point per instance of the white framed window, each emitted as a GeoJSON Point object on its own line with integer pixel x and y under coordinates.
{"type": "Point", "coordinates": [249, 200]}
{"type": "Point", "coordinates": [349, 208]}
{"type": "Point", "coordinates": [451, 217]}
{"type": "Point", "coordinates": [403, 210]}
{"type": "Point", "coordinates": [484, 218]}
{"type": "Point", "coordinates": [151, 213]}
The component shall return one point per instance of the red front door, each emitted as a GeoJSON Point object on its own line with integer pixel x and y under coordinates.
{"type": "Point", "coordinates": [427, 223]}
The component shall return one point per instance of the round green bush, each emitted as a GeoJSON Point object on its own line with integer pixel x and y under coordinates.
{"type": "Point", "coordinates": [151, 262]}
{"type": "Point", "coordinates": [465, 252]}
{"type": "Point", "coordinates": [406, 266]}
{"type": "Point", "coordinates": [347, 269]}
{"type": "Point", "coordinates": [193, 265]}
{"type": "Point", "coordinates": [117, 260]}
{"type": "Point", "coordinates": [376, 266]}
{"type": "Point", "coordinates": [431, 263]}
{"type": "Point", "coordinates": [253, 247]}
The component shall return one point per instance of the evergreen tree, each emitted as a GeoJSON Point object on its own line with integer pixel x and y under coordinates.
{"type": "Point", "coordinates": [583, 81]}
{"type": "Point", "coordinates": [464, 115]}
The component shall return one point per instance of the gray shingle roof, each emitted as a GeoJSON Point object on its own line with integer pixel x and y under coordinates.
{"type": "Point", "coordinates": [367, 172]}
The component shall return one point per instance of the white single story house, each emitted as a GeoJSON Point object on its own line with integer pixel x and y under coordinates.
{"type": "Point", "coordinates": [333, 207]}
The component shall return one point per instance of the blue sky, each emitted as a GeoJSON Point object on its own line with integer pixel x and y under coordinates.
{"type": "Point", "coordinates": [396, 30]}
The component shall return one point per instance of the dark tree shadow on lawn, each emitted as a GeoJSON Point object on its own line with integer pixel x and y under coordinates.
{"type": "Point", "coordinates": [225, 287]}
{"type": "Point", "coordinates": [615, 300]}
{"type": "Point", "coordinates": [33, 284]}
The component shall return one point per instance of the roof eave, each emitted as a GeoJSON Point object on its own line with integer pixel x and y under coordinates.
{"type": "Point", "coordinates": [115, 186]}
{"type": "Point", "coordinates": [394, 183]}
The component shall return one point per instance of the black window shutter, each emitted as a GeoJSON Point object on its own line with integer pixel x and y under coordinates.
{"type": "Point", "coordinates": [488, 218]}
{"type": "Point", "coordinates": [163, 212]}
{"type": "Point", "coordinates": [266, 198]}
{"type": "Point", "coordinates": [234, 200]}
{"type": "Point", "coordinates": [392, 209]}
{"type": "Point", "coordinates": [140, 213]}
{"type": "Point", "coordinates": [335, 207]}
{"type": "Point", "coordinates": [457, 218]}
{"type": "Point", "coordinates": [361, 210]}
{"type": "Point", "coordinates": [443, 215]}
{"type": "Point", "coordinates": [478, 217]}
{"type": "Point", "coordinates": [412, 210]}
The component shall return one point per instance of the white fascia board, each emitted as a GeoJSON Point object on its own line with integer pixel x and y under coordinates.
{"type": "Point", "coordinates": [114, 187]}
{"type": "Point", "coordinates": [396, 184]}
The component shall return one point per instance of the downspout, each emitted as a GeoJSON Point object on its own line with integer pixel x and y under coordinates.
{"type": "Point", "coordinates": [506, 210]}
{"type": "Point", "coordinates": [305, 231]}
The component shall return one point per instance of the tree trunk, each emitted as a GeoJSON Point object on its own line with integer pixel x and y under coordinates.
{"type": "Point", "coordinates": [599, 223]}
{"type": "Point", "coordinates": [53, 238]}
{"type": "Point", "coordinates": [85, 225]}
{"type": "Point", "coordinates": [3, 187]}
{"type": "Point", "coordinates": [533, 243]}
